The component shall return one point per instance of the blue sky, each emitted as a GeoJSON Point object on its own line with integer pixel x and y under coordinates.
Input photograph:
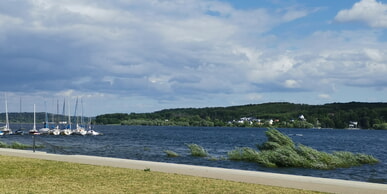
{"type": "Point", "coordinates": [144, 56]}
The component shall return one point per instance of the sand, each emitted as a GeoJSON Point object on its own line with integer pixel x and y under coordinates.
{"type": "Point", "coordinates": [282, 180]}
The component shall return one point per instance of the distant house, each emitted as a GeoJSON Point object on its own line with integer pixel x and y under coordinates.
{"type": "Point", "coordinates": [302, 118]}
{"type": "Point", "coordinates": [352, 124]}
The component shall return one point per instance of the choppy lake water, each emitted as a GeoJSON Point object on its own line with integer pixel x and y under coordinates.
{"type": "Point", "coordinates": [149, 143]}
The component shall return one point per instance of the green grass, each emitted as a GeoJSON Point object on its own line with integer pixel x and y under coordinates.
{"type": "Point", "coordinates": [281, 151]}
{"type": "Point", "coordinates": [197, 150]}
{"type": "Point", "coordinates": [17, 145]}
{"type": "Point", "coordinates": [24, 175]}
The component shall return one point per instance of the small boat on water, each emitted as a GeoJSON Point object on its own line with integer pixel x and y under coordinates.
{"type": "Point", "coordinates": [79, 130]}
{"type": "Point", "coordinates": [66, 132]}
{"type": "Point", "coordinates": [92, 132]}
{"type": "Point", "coordinates": [46, 128]}
{"type": "Point", "coordinates": [55, 131]}
{"type": "Point", "coordinates": [19, 132]}
{"type": "Point", "coordinates": [33, 131]}
{"type": "Point", "coordinates": [5, 129]}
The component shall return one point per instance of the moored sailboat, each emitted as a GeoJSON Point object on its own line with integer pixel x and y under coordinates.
{"type": "Point", "coordinates": [55, 130]}
{"type": "Point", "coordinates": [79, 129]}
{"type": "Point", "coordinates": [67, 130]}
{"type": "Point", "coordinates": [33, 131]}
{"type": "Point", "coordinates": [21, 130]}
{"type": "Point", "coordinates": [46, 128]}
{"type": "Point", "coordinates": [6, 129]}
{"type": "Point", "coordinates": [91, 131]}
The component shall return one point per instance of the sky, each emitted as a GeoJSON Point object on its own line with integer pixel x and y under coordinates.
{"type": "Point", "coordinates": [125, 56]}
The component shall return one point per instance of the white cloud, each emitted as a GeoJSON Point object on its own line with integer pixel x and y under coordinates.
{"type": "Point", "coordinates": [163, 53]}
{"type": "Point", "coordinates": [371, 12]}
{"type": "Point", "coordinates": [291, 84]}
{"type": "Point", "coordinates": [324, 96]}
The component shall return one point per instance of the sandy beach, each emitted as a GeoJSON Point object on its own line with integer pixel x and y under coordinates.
{"type": "Point", "coordinates": [282, 180]}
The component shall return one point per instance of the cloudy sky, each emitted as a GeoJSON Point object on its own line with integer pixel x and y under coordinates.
{"type": "Point", "coordinates": [143, 56]}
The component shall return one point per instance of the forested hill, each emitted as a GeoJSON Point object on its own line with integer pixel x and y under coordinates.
{"type": "Point", "coordinates": [335, 115]}
{"type": "Point", "coordinates": [28, 117]}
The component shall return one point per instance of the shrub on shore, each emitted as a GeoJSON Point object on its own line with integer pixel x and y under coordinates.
{"type": "Point", "coordinates": [14, 145]}
{"type": "Point", "coordinates": [280, 151]}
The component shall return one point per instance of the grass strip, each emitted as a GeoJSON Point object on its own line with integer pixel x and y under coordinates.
{"type": "Point", "coordinates": [17, 145]}
{"type": "Point", "coordinates": [25, 175]}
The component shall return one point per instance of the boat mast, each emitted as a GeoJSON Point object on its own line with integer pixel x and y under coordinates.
{"type": "Point", "coordinates": [69, 115]}
{"type": "Point", "coordinates": [34, 127]}
{"type": "Point", "coordinates": [46, 116]}
{"type": "Point", "coordinates": [63, 118]}
{"type": "Point", "coordinates": [82, 121]}
{"type": "Point", "coordinates": [20, 113]}
{"type": "Point", "coordinates": [75, 111]}
{"type": "Point", "coordinates": [57, 111]}
{"type": "Point", "coordinates": [6, 113]}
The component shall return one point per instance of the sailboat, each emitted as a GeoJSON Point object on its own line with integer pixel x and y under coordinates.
{"type": "Point", "coordinates": [20, 131]}
{"type": "Point", "coordinates": [67, 130]}
{"type": "Point", "coordinates": [55, 130]}
{"type": "Point", "coordinates": [45, 129]}
{"type": "Point", "coordinates": [33, 131]}
{"type": "Point", "coordinates": [90, 130]}
{"type": "Point", "coordinates": [79, 130]}
{"type": "Point", "coordinates": [5, 129]}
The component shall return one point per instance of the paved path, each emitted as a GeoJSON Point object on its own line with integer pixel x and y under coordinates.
{"type": "Point", "coordinates": [282, 180]}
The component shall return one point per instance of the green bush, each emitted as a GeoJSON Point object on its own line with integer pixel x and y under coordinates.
{"type": "Point", "coordinates": [244, 154]}
{"type": "Point", "coordinates": [3, 145]}
{"type": "Point", "coordinates": [380, 126]}
{"type": "Point", "coordinates": [14, 145]}
{"type": "Point", "coordinates": [280, 151]}
{"type": "Point", "coordinates": [171, 153]}
{"type": "Point", "coordinates": [17, 145]}
{"type": "Point", "coordinates": [197, 150]}
{"type": "Point", "coordinates": [275, 140]}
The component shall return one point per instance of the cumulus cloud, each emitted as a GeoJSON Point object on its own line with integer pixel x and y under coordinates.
{"type": "Point", "coordinates": [164, 53]}
{"type": "Point", "coordinates": [370, 12]}
{"type": "Point", "coordinates": [324, 96]}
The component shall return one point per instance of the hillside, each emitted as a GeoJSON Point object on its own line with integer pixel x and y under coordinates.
{"type": "Point", "coordinates": [334, 115]}
{"type": "Point", "coordinates": [27, 117]}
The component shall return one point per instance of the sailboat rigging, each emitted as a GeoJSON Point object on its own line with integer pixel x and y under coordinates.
{"type": "Point", "coordinates": [6, 129]}
{"type": "Point", "coordinates": [33, 131]}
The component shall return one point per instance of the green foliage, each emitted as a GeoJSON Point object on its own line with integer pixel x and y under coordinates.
{"type": "Point", "coordinates": [197, 150]}
{"type": "Point", "coordinates": [380, 126]}
{"type": "Point", "coordinates": [275, 140]}
{"type": "Point", "coordinates": [280, 151]}
{"type": "Point", "coordinates": [335, 115]}
{"type": "Point", "coordinates": [243, 154]}
{"type": "Point", "coordinates": [14, 145]}
{"type": "Point", "coordinates": [171, 153]}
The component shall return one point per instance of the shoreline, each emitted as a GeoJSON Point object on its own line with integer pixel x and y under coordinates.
{"type": "Point", "coordinates": [255, 177]}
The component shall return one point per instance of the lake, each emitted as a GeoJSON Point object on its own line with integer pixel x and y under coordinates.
{"type": "Point", "coordinates": [149, 142]}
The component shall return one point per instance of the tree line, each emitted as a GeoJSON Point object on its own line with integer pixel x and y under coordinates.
{"type": "Point", "coordinates": [334, 115]}
{"type": "Point", "coordinates": [27, 117]}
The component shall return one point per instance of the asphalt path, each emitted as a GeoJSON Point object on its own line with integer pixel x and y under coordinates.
{"type": "Point", "coordinates": [263, 178]}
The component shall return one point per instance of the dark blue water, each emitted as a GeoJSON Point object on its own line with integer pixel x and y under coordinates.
{"type": "Point", "coordinates": [149, 143]}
